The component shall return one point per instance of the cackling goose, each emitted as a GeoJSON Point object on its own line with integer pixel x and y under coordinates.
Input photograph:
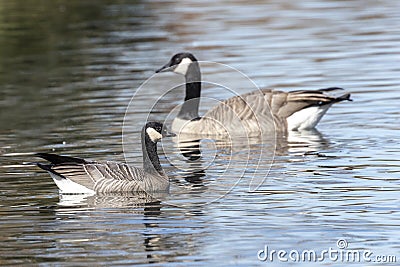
{"type": "Point", "coordinates": [76, 175]}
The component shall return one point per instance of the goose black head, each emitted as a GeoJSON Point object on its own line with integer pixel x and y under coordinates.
{"type": "Point", "coordinates": [156, 130]}
{"type": "Point", "coordinates": [179, 63]}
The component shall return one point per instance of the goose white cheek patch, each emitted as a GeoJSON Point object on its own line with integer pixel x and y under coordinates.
{"type": "Point", "coordinates": [153, 134]}
{"type": "Point", "coordinates": [182, 67]}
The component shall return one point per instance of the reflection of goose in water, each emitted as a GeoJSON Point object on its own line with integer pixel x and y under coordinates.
{"type": "Point", "coordinates": [189, 147]}
{"type": "Point", "coordinates": [192, 178]}
{"type": "Point", "coordinates": [134, 200]}
{"type": "Point", "coordinates": [303, 142]}
{"type": "Point", "coordinates": [141, 225]}
{"type": "Point", "coordinates": [189, 169]}
{"type": "Point", "coordinates": [252, 113]}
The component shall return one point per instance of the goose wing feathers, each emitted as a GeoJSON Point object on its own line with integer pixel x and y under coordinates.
{"type": "Point", "coordinates": [99, 170]}
{"type": "Point", "coordinates": [245, 113]}
{"type": "Point", "coordinates": [263, 108]}
{"type": "Point", "coordinates": [103, 176]}
{"type": "Point", "coordinates": [298, 100]}
{"type": "Point", "coordinates": [76, 173]}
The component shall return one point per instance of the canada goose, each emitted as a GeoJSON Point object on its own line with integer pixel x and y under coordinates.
{"type": "Point", "coordinates": [251, 113]}
{"type": "Point", "coordinates": [76, 175]}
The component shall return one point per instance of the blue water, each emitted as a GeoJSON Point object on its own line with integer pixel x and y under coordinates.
{"type": "Point", "coordinates": [69, 71]}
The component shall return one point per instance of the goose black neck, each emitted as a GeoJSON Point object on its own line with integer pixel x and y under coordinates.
{"type": "Point", "coordinates": [190, 108]}
{"type": "Point", "coordinates": [151, 162]}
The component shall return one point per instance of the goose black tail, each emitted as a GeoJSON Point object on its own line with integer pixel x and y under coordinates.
{"type": "Point", "coordinates": [344, 97]}
{"type": "Point", "coordinates": [46, 167]}
{"type": "Point", "coordinates": [339, 98]}
{"type": "Point", "coordinates": [56, 159]}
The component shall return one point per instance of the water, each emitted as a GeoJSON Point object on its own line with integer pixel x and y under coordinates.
{"type": "Point", "coordinates": [68, 71]}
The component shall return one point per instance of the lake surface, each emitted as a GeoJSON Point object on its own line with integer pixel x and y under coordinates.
{"type": "Point", "coordinates": [69, 70]}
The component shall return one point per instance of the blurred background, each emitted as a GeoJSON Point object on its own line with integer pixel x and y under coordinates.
{"type": "Point", "coordinates": [68, 70]}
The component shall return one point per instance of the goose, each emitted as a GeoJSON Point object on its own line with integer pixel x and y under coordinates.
{"type": "Point", "coordinates": [252, 113]}
{"type": "Point", "coordinates": [77, 175]}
